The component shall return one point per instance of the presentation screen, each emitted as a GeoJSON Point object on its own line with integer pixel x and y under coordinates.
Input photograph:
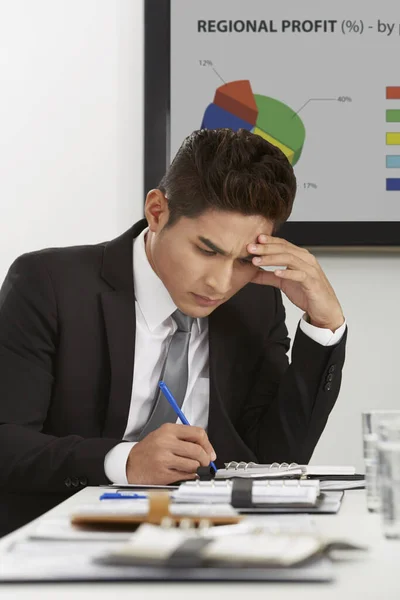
{"type": "Point", "coordinates": [318, 80]}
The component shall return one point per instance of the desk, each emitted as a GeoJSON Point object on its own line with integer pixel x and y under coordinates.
{"type": "Point", "coordinates": [375, 576]}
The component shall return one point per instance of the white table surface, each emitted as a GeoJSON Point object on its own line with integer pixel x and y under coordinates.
{"type": "Point", "coordinates": [372, 576]}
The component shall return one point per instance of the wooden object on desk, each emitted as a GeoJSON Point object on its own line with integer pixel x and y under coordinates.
{"type": "Point", "coordinates": [159, 510]}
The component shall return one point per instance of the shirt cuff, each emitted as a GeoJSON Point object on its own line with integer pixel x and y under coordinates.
{"type": "Point", "coordinates": [322, 336]}
{"type": "Point", "coordinates": [115, 462]}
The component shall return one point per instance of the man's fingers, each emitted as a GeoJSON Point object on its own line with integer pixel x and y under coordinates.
{"type": "Point", "coordinates": [180, 475]}
{"type": "Point", "coordinates": [274, 241]}
{"type": "Point", "coordinates": [197, 435]}
{"type": "Point", "coordinates": [192, 451]}
{"type": "Point", "coordinates": [286, 260]}
{"type": "Point", "coordinates": [162, 457]}
{"type": "Point", "coordinates": [279, 246]}
{"type": "Point", "coordinates": [275, 248]}
{"type": "Point", "coordinates": [179, 463]}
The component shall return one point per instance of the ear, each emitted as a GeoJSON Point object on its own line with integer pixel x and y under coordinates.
{"type": "Point", "coordinates": [156, 210]}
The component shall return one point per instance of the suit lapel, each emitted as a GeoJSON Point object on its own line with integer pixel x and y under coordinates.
{"type": "Point", "coordinates": [120, 323]}
{"type": "Point", "coordinates": [119, 318]}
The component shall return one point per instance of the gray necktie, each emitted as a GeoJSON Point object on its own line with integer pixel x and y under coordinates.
{"type": "Point", "coordinates": [174, 373]}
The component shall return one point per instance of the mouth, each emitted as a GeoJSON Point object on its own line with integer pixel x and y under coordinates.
{"type": "Point", "coordinates": [206, 301]}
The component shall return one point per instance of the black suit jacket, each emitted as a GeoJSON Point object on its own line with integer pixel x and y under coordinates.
{"type": "Point", "coordinates": [67, 345]}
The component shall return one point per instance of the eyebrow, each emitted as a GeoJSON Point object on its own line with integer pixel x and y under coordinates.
{"type": "Point", "coordinates": [218, 250]}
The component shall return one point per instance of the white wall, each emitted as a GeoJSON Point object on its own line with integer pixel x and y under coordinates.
{"type": "Point", "coordinates": [70, 122]}
{"type": "Point", "coordinates": [71, 135]}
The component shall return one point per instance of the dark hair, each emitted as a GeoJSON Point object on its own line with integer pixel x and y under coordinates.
{"type": "Point", "coordinates": [235, 171]}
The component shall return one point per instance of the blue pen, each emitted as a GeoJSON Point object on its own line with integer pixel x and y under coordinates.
{"type": "Point", "coordinates": [119, 496]}
{"type": "Point", "coordinates": [167, 393]}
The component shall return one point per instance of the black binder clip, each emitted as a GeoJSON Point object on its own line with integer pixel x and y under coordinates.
{"type": "Point", "coordinates": [206, 473]}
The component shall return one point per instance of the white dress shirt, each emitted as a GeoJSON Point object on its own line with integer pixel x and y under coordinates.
{"type": "Point", "coordinates": [154, 328]}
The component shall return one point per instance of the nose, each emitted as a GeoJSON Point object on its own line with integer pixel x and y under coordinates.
{"type": "Point", "coordinates": [219, 278]}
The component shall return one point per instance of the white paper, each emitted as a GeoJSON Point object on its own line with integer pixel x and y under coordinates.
{"type": "Point", "coordinates": [62, 529]}
{"type": "Point", "coordinates": [274, 470]}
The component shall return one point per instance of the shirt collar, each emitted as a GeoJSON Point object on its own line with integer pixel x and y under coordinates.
{"type": "Point", "coordinates": [151, 294]}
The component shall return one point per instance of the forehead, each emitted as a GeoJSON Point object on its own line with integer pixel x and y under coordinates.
{"type": "Point", "coordinates": [229, 226]}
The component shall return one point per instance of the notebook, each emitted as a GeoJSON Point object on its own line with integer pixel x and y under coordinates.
{"type": "Point", "coordinates": [293, 492]}
{"type": "Point", "coordinates": [341, 485]}
{"type": "Point", "coordinates": [278, 470]}
{"type": "Point", "coordinates": [153, 545]}
{"type": "Point", "coordinates": [327, 503]}
{"type": "Point", "coordinates": [261, 496]}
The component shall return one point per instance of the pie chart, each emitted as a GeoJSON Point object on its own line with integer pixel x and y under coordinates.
{"type": "Point", "coordinates": [235, 106]}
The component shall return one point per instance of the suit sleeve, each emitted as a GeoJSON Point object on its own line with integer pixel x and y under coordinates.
{"type": "Point", "coordinates": [30, 458]}
{"type": "Point", "coordinates": [289, 405]}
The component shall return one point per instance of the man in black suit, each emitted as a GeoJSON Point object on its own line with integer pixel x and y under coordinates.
{"type": "Point", "coordinates": [85, 334]}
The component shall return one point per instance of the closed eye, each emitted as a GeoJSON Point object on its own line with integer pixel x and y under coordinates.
{"type": "Point", "coordinates": [246, 261]}
{"type": "Point", "coordinates": [243, 261]}
{"type": "Point", "coordinates": [207, 252]}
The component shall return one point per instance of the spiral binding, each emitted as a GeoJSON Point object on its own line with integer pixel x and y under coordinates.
{"type": "Point", "coordinates": [258, 482]}
{"type": "Point", "coordinates": [244, 465]}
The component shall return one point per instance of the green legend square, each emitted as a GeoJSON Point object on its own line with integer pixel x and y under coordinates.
{"type": "Point", "coordinates": [393, 115]}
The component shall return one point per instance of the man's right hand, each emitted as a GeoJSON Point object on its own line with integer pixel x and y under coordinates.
{"type": "Point", "coordinates": [170, 453]}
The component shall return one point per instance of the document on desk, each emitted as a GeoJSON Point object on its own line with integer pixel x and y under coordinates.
{"type": "Point", "coordinates": [156, 545]}
{"type": "Point", "coordinates": [152, 545]}
{"type": "Point", "coordinates": [61, 529]}
{"type": "Point", "coordinates": [140, 486]}
{"type": "Point", "coordinates": [253, 470]}
{"type": "Point", "coordinates": [342, 485]}
{"type": "Point", "coordinates": [30, 548]}
{"type": "Point", "coordinates": [266, 496]}
{"type": "Point", "coordinates": [281, 493]}
{"type": "Point", "coordinates": [327, 503]}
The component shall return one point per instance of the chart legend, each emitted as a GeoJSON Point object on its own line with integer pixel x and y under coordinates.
{"type": "Point", "coordinates": [393, 138]}
{"type": "Point", "coordinates": [393, 115]}
{"type": "Point", "coordinates": [393, 161]}
{"type": "Point", "coordinates": [393, 184]}
{"type": "Point", "coordinates": [393, 93]}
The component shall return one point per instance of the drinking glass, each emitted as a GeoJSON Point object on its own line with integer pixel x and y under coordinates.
{"type": "Point", "coordinates": [389, 475]}
{"type": "Point", "coordinates": [370, 423]}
